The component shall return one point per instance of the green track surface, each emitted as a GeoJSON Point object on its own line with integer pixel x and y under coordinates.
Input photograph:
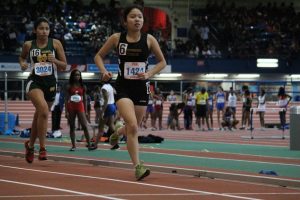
{"type": "Point", "coordinates": [287, 170]}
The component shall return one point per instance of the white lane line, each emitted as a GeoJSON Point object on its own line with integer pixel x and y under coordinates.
{"type": "Point", "coordinates": [116, 195]}
{"type": "Point", "coordinates": [220, 142]}
{"type": "Point", "coordinates": [164, 194]}
{"type": "Point", "coordinates": [131, 182]}
{"type": "Point", "coordinates": [267, 193]}
{"type": "Point", "coordinates": [38, 196]}
{"type": "Point", "coordinates": [226, 159]}
{"type": "Point", "coordinates": [213, 158]}
{"type": "Point", "coordinates": [60, 189]}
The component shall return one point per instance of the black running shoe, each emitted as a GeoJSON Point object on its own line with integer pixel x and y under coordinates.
{"type": "Point", "coordinates": [115, 147]}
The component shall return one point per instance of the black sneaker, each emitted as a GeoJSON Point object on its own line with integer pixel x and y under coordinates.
{"type": "Point", "coordinates": [93, 147]}
{"type": "Point", "coordinates": [115, 147]}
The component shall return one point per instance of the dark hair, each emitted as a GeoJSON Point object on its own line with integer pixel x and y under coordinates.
{"type": "Point", "coordinates": [263, 92]}
{"type": "Point", "coordinates": [247, 92]}
{"type": "Point", "coordinates": [203, 90]}
{"type": "Point", "coordinates": [40, 20]}
{"type": "Point", "coordinates": [281, 91]}
{"type": "Point", "coordinates": [129, 8]}
{"type": "Point", "coordinates": [189, 89]}
{"type": "Point", "coordinates": [245, 87]}
{"type": "Point", "coordinates": [72, 77]}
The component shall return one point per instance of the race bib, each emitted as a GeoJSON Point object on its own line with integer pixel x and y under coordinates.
{"type": "Point", "coordinates": [220, 100]}
{"type": "Point", "coordinates": [261, 107]}
{"type": "Point", "coordinates": [43, 69]}
{"type": "Point", "coordinates": [132, 68]}
{"type": "Point", "coordinates": [202, 102]}
{"type": "Point", "coordinates": [189, 103]}
{"type": "Point", "coordinates": [75, 98]}
{"type": "Point", "coordinates": [158, 102]}
{"type": "Point", "coordinates": [101, 102]}
{"type": "Point", "coordinates": [282, 103]}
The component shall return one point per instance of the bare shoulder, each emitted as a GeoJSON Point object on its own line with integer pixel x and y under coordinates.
{"type": "Point", "coordinates": [151, 41]}
{"type": "Point", "coordinates": [56, 43]}
{"type": "Point", "coordinates": [115, 37]}
{"type": "Point", "coordinates": [27, 44]}
{"type": "Point", "coordinates": [113, 40]}
{"type": "Point", "coordinates": [151, 38]}
{"type": "Point", "coordinates": [26, 48]}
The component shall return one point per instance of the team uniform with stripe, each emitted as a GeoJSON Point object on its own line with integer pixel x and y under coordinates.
{"type": "Point", "coordinates": [43, 74]}
{"type": "Point", "coordinates": [133, 58]}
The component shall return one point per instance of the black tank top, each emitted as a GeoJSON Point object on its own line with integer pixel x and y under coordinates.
{"type": "Point", "coordinates": [133, 57]}
{"type": "Point", "coordinates": [39, 61]}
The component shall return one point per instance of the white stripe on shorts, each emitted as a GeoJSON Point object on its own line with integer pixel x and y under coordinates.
{"type": "Point", "coordinates": [28, 86]}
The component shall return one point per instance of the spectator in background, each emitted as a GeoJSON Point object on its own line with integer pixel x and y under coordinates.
{"type": "Point", "coordinates": [283, 102]}
{"type": "Point", "coordinates": [201, 109]}
{"type": "Point", "coordinates": [172, 98]}
{"type": "Point", "coordinates": [188, 100]}
{"type": "Point", "coordinates": [68, 35]}
{"type": "Point", "coordinates": [261, 108]}
{"type": "Point", "coordinates": [247, 108]}
{"type": "Point", "coordinates": [107, 116]}
{"type": "Point", "coordinates": [98, 103]}
{"type": "Point", "coordinates": [228, 120]}
{"type": "Point", "coordinates": [76, 105]}
{"type": "Point", "coordinates": [88, 105]}
{"type": "Point", "coordinates": [220, 105]}
{"type": "Point", "coordinates": [210, 109]}
{"type": "Point", "coordinates": [149, 113]}
{"type": "Point", "coordinates": [57, 109]}
{"type": "Point", "coordinates": [173, 118]}
{"type": "Point", "coordinates": [158, 99]}
{"type": "Point", "coordinates": [244, 88]}
{"type": "Point", "coordinates": [232, 100]}
{"type": "Point", "coordinates": [88, 112]}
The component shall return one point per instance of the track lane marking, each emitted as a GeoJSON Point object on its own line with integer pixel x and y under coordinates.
{"type": "Point", "coordinates": [130, 182]}
{"type": "Point", "coordinates": [38, 196]}
{"type": "Point", "coordinates": [60, 189]}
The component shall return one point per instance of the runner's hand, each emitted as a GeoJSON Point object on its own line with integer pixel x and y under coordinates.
{"type": "Point", "coordinates": [24, 66]}
{"type": "Point", "coordinates": [106, 76]}
{"type": "Point", "coordinates": [143, 75]}
{"type": "Point", "coordinates": [51, 57]}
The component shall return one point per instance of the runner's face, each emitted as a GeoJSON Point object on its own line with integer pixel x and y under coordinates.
{"type": "Point", "coordinates": [42, 30]}
{"type": "Point", "coordinates": [77, 75]}
{"type": "Point", "coordinates": [135, 20]}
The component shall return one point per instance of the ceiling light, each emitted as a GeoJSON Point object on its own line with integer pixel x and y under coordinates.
{"type": "Point", "coordinates": [267, 62]}
{"type": "Point", "coordinates": [87, 74]}
{"type": "Point", "coordinates": [215, 75]}
{"type": "Point", "coordinates": [169, 75]}
{"type": "Point", "coordinates": [295, 76]}
{"type": "Point", "coordinates": [247, 75]}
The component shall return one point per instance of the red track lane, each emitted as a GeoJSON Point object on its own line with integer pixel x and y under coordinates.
{"type": "Point", "coordinates": [60, 180]}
